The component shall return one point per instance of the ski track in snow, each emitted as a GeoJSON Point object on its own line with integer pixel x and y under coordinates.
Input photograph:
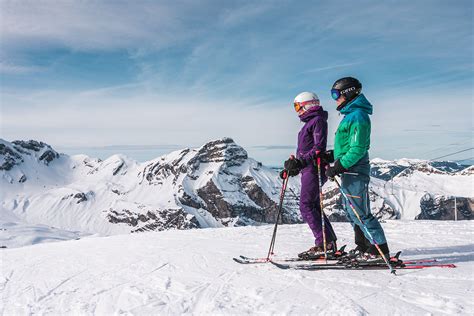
{"type": "Point", "coordinates": [192, 272]}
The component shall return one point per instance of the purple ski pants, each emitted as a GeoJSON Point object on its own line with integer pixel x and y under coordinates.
{"type": "Point", "coordinates": [310, 207]}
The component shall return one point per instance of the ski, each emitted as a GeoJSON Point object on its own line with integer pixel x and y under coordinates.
{"type": "Point", "coordinates": [339, 260]}
{"type": "Point", "coordinates": [248, 260]}
{"type": "Point", "coordinates": [394, 260]}
{"type": "Point", "coordinates": [359, 266]}
{"type": "Point", "coordinates": [414, 261]}
{"type": "Point", "coordinates": [245, 260]}
{"type": "Point", "coordinates": [437, 265]}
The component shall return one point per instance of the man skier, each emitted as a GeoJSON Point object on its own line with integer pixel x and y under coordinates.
{"type": "Point", "coordinates": [312, 140]}
{"type": "Point", "coordinates": [351, 145]}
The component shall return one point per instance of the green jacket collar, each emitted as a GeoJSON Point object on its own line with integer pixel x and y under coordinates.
{"type": "Point", "coordinates": [358, 103]}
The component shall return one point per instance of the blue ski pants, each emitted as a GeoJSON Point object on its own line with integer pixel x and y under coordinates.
{"type": "Point", "coordinates": [355, 184]}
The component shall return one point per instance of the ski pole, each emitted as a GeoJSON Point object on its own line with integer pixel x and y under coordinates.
{"type": "Point", "coordinates": [323, 224]}
{"type": "Point", "coordinates": [365, 227]}
{"type": "Point", "coordinates": [280, 208]}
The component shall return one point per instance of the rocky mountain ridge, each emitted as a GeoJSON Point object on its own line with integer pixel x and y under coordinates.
{"type": "Point", "coordinates": [212, 186]}
{"type": "Point", "coordinates": [387, 170]}
{"type": "Point", "coordinates": [215, 185]}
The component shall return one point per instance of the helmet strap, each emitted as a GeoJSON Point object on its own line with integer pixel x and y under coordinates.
{"type": "Point", "coordinates": [343, 104]}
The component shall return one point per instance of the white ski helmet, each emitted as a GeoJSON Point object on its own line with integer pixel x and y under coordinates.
{"type": "Point", "coordinates": [305, 101]}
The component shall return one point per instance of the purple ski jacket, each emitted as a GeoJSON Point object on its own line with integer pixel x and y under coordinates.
{"type": "Point", "coordinates": [313, 135]}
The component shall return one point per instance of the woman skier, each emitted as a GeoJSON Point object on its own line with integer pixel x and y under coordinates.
{"type": "Point", "coordinates": [351, 145]}
{"type": "Point", "coordinates": [312, 140]}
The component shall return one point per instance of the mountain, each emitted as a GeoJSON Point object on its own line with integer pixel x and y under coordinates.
{"type": "Point", "coordinates": [387, 169]}
{"type": "Point", "coordinates": [213, 186]}
{"type": "Point", "coordinates": [407, 185]}
{"type": "Point", "coordinates": [216, 185]}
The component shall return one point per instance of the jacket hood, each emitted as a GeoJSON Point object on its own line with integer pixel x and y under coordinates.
{"type": "Point", "coordinates": [358, 103]}
{"type": "Point", "coordinates": [313, 112]}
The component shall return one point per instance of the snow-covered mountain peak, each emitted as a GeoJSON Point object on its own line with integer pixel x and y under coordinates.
{"type": "Point", "coordinates": [16, 152]}
{"type": "Point", "coordinates": [39, 150]}
{"type": "Point", "coordinates": [114, 165]}
{"type": "Point", "coordinates": [388, 169]}
{"type": "Point", "coordinates": [212, 186]}
{"type": "Point", "coordinates": [423, 167]}
{"type": "Point", "coordinates": [222, 150]}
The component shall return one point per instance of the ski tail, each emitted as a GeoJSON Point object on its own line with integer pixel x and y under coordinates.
{"type": "Point", "coordinates": [423, 266]}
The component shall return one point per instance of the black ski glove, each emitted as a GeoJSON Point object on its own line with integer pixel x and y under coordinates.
{"type": "Point", "coordinates": [327, 156]}
{"type": "Point", "coordinates": [293, 166]}
{"type": "Point", "coordinates": [335, 170]}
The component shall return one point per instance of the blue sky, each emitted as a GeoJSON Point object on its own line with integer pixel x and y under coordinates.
{"type": "Point", "coordinates": [165, 73]}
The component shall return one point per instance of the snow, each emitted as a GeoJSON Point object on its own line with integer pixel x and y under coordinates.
{"type": "Point", "coordinates": [192, 272]}
{"type": "Point", "coordinates": [14, 234]}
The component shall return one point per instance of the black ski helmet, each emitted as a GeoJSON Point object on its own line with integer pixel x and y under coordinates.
{"type": "Point", "coordinates": [349, 87]}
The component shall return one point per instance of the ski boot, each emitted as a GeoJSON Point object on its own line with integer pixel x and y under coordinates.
{"type": "Point", "coordinates": [352, 254]}
{"type": "Point", "coordinates": [317, 252]}
{"type": "Point", "coordinates": [369, 258]}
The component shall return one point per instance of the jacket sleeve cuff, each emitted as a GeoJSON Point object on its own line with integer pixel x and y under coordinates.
{"type": "Point", "coordinates": [342, 164]}
{"type": "Point", "coordinates": [339, 167]}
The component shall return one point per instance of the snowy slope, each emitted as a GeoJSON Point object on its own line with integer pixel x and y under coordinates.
{"type": "Point", "coordinates": [191, 272]}
{"type": "Point", "coordinates": [17, 234]}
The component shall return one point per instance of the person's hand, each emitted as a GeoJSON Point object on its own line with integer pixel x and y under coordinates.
{"type": "Point", "coordinates": [293, 166]}
{"type": "Point", "coordinates": [327, 156]}
{"type": "Point", "coordinates": [335, 170]}
{"type": "Point", "coordinates": [283, 174]}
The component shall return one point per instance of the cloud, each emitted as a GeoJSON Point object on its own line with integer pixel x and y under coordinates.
{"type": "Point", "coordinates": [345, 65]}
{"type": "Point", "coordinates": [97, 25]}
{"type": "Point", "coordinates": [10, 68]}
{"type": "Point", "coordinates": [103, 117]}
{"type": "Point", "coordinates": [242, 14]}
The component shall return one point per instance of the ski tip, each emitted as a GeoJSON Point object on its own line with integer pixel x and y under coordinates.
{"type": "Point", "coordinates": [239, 260]}
{"type": "Point", "coordinates": [279, 265]}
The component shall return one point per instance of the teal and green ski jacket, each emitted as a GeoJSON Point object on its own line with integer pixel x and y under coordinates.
{"type": "Point", "coordinates": [352, 139]}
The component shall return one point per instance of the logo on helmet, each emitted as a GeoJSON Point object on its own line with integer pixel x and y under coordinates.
{"type": "Point", "coordinates": [348, 90]}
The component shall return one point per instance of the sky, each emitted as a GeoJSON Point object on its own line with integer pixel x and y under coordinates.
{"type": "Point", "coordinates": [155, 75]}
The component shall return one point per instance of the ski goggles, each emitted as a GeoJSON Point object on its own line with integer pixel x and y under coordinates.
{"type": "Point", "coordinates": [301, 105]}
{"type": "Point", "coordinates": [335, 94]}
